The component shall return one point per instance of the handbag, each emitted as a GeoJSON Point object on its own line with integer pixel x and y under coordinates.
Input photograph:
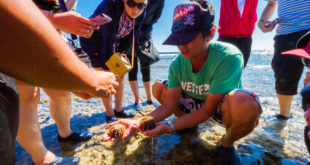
{"type": "Point", "coordinates": [147, 53]}
{"type": "Point", "coordinates": [119, 63]}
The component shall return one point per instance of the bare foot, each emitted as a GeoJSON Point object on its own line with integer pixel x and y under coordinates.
{"type": "Point", "coordinates": [49, 157]}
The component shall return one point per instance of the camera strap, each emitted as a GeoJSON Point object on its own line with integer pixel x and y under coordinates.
{"type": "Point", "coordinates": [132, 49]}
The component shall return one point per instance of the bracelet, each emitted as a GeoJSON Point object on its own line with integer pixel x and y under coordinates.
{"type": "Point", "coordinates": [170, 124]}
{"type": "Point", "coordinates": [261, 21]}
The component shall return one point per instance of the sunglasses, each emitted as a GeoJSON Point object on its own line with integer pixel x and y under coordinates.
{"type": "Point", "coordinates": [132, 4]}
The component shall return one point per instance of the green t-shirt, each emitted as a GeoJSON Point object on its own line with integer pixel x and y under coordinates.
{"type": "Point", "coordinates": [220, 74]}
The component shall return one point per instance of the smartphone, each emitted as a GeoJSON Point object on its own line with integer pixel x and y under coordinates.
{"type": "Point", "coordinates": [273, 23]}
{"type": "Point", "coordinates": [101, 19]}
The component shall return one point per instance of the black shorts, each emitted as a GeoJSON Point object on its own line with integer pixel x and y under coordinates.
{"type": "Point", "coordinates": [9, 116]}
{"type": "Point", "coordinates": [287, 69]}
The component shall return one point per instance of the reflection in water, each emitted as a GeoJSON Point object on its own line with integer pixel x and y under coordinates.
{"type": "Point", "coordinates": [272, 142]}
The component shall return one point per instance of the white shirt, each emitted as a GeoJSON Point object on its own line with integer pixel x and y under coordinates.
{"type": "Point", "coordinates": [241, 6]}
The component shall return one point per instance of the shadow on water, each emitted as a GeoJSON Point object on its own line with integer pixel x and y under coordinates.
{"type": "Point", "coordinates": [272, 141]}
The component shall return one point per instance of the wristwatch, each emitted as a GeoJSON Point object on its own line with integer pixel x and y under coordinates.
{"type": "Point", "coordinates": [171, 127]}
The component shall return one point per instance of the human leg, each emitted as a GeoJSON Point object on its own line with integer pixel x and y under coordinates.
{"type": "Point", "coordinates": [119, 111]}
{"type": "Point", "coordinates": [159, 91]}
{"type": "Point", "coordinates": [29, 133]}
{"type": "Point", "coordinates": [60, 107]}
{"type": "Point", "coordinates": [240, 115]}
{"type": "Point", "coordinates": [119, 95]}
{"type": "Point", "coordinates": [245, 45]}
{"type": "Point", "coordinates": [285, 104]}
{"type": "Point", "coordinates": [287, 70]}
{"type": "Point", "coordinates": [146, 78]}
{"type": "Point", "coordinates": [133, 83]}
{"type": "Point", "coordinates": [135, 90]}
{"type": "Point", "coordinates": [107, 103]}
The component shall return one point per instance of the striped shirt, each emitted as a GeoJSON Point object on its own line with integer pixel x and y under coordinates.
{"type": "Point", "coordinates": [294, 16]}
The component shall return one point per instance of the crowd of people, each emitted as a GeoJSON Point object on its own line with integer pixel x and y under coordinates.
{"type": "Point", "coordinates": [204, 81]}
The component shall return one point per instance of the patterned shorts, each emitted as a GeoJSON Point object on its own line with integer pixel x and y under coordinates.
{"type": "Point", "coordinates": [188, 104]}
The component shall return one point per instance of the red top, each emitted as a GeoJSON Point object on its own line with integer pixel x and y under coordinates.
{"type": "Point", "coordinates": [232, 25]}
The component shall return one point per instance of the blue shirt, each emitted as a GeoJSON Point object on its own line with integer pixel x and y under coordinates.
{"type": "Point", "coordinates": [294, 16]}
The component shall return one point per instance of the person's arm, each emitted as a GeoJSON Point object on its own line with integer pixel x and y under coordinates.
{"type": "Point", "coordinates": [201, 114]}
{"type": "Point", "coordinates": [32, 51]}
{"type": "Point", "coordinates": [267, 13]}
{"type": "Point", "coordinates": [73, 23]}
{"type": "Point", "coordinates": [192, 119]}
{"type": "Point", "coordinates": [160, 113]}
{"type": "Point", "coordinates": [167, 108]}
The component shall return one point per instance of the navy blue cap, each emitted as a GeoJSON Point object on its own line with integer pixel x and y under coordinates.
{"type": "Point", "coordinates": [189, 19]}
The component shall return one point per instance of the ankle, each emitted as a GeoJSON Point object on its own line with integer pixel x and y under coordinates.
{"type": "Point", "coordinates": [224, 142]}
{"type": "Point", "coordinates": [48, 158]}
{"type": "Point", "coordinates": [65, 134]}
{"type": "Point", "coordinates": [109, 113]}
{"type": "Point", "coordinates": [118, 110]}
{"type": "Point", "coordinates": [285, 114]}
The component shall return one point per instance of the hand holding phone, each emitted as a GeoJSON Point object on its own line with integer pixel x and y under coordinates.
{"type": "Point", "coordinates": [272, 24]}
{"type": "Point", "coordinates": [101, 19]}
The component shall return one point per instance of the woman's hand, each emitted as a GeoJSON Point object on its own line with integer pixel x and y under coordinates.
{"type": "Point", "coordinates": [73, 23]}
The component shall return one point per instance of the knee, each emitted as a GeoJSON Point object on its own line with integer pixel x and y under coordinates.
{"type": "Point", "coordinates": [157, 89]}
{"type": "Point", "coordinates": [244, 108]}
{"type": "Point", "coordinates": [29, 99]}
{"type": "Point", "coordinates": [58, 95]}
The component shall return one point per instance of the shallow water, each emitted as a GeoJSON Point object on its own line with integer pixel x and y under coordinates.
{"type": "Point", "coordinates": [272, 142]}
